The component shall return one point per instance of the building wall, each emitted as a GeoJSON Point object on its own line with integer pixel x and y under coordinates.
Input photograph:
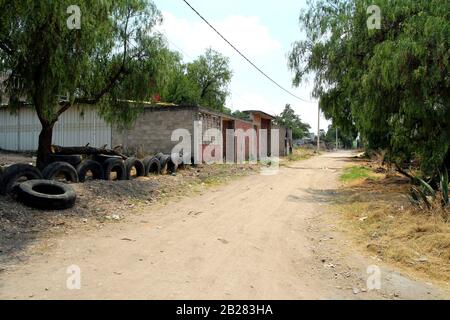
{"type": "Point", "coordinates": [243, 144]}
{"type": "Point", "coordinates": [153, 129]}
{"type": "Point", "coordinates": [285, 140]}
{"type": "Point", "coordinates": [76, 127]}
{"type": "Point", "coordinates": [211, 121]}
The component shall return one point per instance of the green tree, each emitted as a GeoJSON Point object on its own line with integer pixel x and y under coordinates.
{"type": "Point", "coordinates": [345, 139]}
{"type": "Point", "coordinates": [391, 83]}
{"type": "Point", "coordinates": [211, 74]}
{"type": "Point", "coordinates": [203, 82]}
{"type": "Point", "coordinates": [110, 58]}
{"type": "Point", "coordinates": [179, 88]}
{"type": "Point", "coordinates": [289, 119]}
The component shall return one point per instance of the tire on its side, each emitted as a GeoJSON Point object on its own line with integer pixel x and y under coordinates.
{"type": "Point", "coordinates": [137, 164]}
{"type": "Point", "coordinates": [46, 195]}
{"type": "Point", "coordinates": [12, 174]}
{"type": "Point", "coordinates": [114, 165]}
{"type": "Point", "coordinates": [90, 166]}
{"type": "Point", "coordinates": [74, 160]}
{"type": "Point", "coordinates": [152, 165]}
{"type": "Point", "coordinates": [55, 169]}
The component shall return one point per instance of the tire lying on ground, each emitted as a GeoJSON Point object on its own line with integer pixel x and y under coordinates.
{"type": "Point", "coordinates": [74, 160]}
{"type": "Point", "coordinates": [46, 195]}
{"type": "Point", "coordinates": [117, 166]}
{"type": "Point", "coordinates": [13, 174]}
{"type": "Point", "coordinates": [55, 169]}
{"type": "Point", "coordinates": [103, 157]}
{"type": "Point", "coordinates": [152, 166]}
{"type": "Point", "coordinates": [137, 164]}
{"type": "Point", "coordinates": [94, 167]}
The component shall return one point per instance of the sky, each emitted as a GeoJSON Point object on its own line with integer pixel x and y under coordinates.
{"type": "Point", "coordinates": [263, 30]}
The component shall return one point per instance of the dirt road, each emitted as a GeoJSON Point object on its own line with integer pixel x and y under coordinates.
{"type": "Point", "coordinates": [259, 237]}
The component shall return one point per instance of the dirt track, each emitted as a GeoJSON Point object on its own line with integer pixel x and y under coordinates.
{"type": "Point", "coordinates": [259, 237]}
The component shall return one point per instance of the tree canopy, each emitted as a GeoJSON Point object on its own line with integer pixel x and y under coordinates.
{"type": "Point", "coordinates": [390, 83]}
{"type": "Point", "coordinates": [345, 139]}
{"type": "Point", "coordinates": [289, 119]}
{"type": "Point", "coordinates": [97, 52]}
{"type": "Point", "coordinates": [202, 82]}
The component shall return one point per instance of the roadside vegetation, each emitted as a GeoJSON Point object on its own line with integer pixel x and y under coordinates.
{"type": "Point", "coordinates": [300, 153]}
{"type": "Point", "coordinates": [358, 174]}
{"type": "Point", "coordinates": [378, 214]}
{"type": "Point", "coordinates": [389, 82]}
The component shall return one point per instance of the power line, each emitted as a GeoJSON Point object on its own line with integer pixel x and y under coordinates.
{"type": "Point", "coordinates": [243, 56]}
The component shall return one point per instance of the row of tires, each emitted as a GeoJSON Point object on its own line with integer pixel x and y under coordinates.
{"type": "Point", "coordinates": [75, 170]}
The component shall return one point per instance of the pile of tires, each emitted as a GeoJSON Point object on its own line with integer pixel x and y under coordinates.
{"type": "Point", "coordinates": [44, 190]}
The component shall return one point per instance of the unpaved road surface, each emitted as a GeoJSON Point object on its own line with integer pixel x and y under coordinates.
{"type": "Point", "coordinates": [258, 237]}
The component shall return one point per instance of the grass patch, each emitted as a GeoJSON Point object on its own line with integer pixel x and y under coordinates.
{"type": "Point", "coordinates": [356, 173]}
{"type": "Point", "coordinates": [379, 217]}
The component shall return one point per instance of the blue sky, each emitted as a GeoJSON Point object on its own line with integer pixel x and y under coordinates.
{"type": "Point", "coordinates": [263, 30]}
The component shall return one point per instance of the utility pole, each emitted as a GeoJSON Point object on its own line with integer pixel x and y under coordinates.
{"type": "Point", "coordinates": [337, 141]}
{"type": "Point", "coordinates": [318, 127]}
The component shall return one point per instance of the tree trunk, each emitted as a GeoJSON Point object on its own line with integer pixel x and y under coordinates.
{"type": "Point", "coordinates": [45, 145]}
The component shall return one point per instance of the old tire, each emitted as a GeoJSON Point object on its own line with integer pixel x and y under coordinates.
{"type": "Point", "coordinates": [103, 157]}
{"type": "Point", "coordinates": [114, 165]}
{"type": "Point", "coordinates": [12, 174]}
{"type": "Point", "coordinates": [74, 160]}
{"type": "Point", "coordinates": [172, 166]}
{"type": "Point", "coordinates": [137, 164]}
{"type": "Point", "coordinates": [90, 166]}
{"type": "Point", "coordinates": [152, 165]}
{"type": "Point", "coordinates": [55, 169]}
{"type": "Point", "coordinates": [46, 195]}
{"type": "Point", "coordinates": [164, 159]}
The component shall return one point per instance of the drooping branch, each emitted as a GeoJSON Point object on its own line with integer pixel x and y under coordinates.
{"type": "Point", "coordinates": [113, 79]}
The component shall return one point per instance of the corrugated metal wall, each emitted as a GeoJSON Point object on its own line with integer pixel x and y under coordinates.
{"type": "Point", "coordinates": [20, 131]}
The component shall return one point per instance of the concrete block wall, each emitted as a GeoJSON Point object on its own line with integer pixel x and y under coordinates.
{"type": "Point", "coordinates": [152, 131]}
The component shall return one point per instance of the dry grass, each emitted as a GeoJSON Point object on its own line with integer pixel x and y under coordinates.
{"type": "Point", "coordinates": [299, 154]}
{"type": "Point", "coordinates": [380, 217]}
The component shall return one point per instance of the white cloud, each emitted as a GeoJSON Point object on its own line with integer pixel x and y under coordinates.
{"type": "Point", "coordinates": [249, 90]}
{"type": "Point", "coordinates": [253, 101]}
{"type": "Point", "coordinates": [247, 33]}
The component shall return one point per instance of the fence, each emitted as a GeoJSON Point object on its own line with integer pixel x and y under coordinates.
{"type": "Point", "coordinates": [76, 127]}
